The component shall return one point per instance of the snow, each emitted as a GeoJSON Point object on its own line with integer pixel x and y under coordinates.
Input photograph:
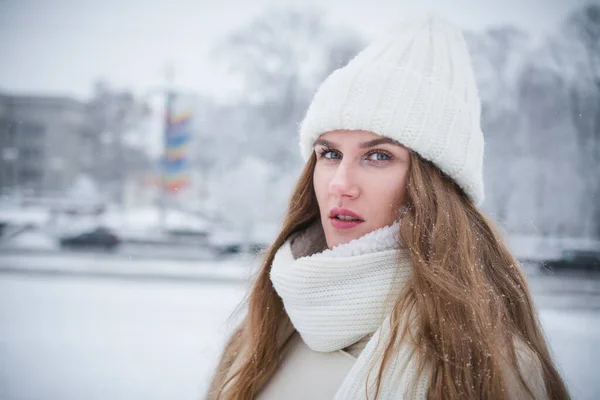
{"type": "Point", "coordinates": [34, 239]}
{"type": "Point", "coordinates": [144, 225]}
{"type": "Point", "coordinates": [237, 269]}
{"type": "Point", "coordinates": [533, 247]}
{"type": "Point", "coordinates": [133, 224]}
{"type": "Point", "coordinates": [84, 189]}
{"type": "Point", "coordinates": [224, 237]}
{"type": "Point", "coordinates": [574, 338]}
{"type": "Point", "coordinates": [135, 219]}
{"type": "Point", "coordinates": [148, 219]}
{"type": "Point", "coordinates": [129, 339]}
{"type": "Point", "coordinates": [66, 338]}
{"type": "Point", "coordinates": [25, 216]}
{"type": "Point", "coordinates": [252, 195]}
{"type": "Point", "coordinates": [97, 340]}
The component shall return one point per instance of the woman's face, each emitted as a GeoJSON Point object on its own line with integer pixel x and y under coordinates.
{"type": "Point", "coordinates": [359, 180]}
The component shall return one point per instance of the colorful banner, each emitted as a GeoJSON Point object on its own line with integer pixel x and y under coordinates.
{"type": "Point", "coordinates": [178, 134]}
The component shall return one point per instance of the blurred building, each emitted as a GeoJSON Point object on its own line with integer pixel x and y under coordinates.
{"type": "Point", "coordinates": [48, 142]}
{"type": "Point", "coordinates": [40, 141]}
{"type": "Point", "coordinates": [112, 147]}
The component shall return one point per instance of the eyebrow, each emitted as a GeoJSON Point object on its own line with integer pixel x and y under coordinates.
{"type": "Point", "coordinates": [364, 145]}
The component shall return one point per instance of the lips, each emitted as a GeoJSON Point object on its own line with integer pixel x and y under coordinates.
{"type": "Point", "coordinates": [349, 219]}
{"type": "Point", "coordinates": [336, 211]}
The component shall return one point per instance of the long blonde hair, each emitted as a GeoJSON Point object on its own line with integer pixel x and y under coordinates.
{"type": "Point", "coordinates": [467, 292]}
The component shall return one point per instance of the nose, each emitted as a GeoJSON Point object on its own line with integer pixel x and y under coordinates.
{"type": "Point", "coordinates": [343, 182]}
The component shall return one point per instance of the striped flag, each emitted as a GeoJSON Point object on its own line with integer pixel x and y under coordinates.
{"type": "Point", "coordinates": [178, 134]}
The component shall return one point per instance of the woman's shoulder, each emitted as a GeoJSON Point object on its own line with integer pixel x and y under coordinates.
{"type": "Point", "coordinates": [531, 370]}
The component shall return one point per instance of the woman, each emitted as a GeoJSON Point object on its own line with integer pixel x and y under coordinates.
{"type": "Point", "coordinates": [386, 280]}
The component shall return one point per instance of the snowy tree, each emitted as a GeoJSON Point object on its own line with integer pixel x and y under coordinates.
{"type": "Point", "coordinates": [279, 58]}
{"type": "Point", "coordinates": [582, 27]}
{"type": "Point", "coordinates": [84, 189]}
{"type": "Point", "coordinates": [498, 55]}
{"type": "Point", "coordinates": [251, 194]}
{"type": "Point", "coordinates": [563, 86]}
{"type": "Point", "coordinates": [539, 102]}
{"type": "Point", "coordinates": [555, 192]}
{"type": "Point", "coordinates": [248, 144]}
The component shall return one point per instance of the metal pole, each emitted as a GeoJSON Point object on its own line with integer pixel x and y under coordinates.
{"type": "Point", "coordinates": [170, 97]}
{"type": "Point", "coordinates": [15, 163]}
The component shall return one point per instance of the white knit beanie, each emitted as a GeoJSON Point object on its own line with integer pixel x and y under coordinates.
{"type": "Point", "coordinates": [416, 86]}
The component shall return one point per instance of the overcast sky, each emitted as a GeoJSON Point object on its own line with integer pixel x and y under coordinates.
{"type": "Point", "coordinates": [61, 47]}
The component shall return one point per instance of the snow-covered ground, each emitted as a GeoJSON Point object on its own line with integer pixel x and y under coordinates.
{"type": "Point", "coordinates": [72, 339]}
{"type": "Point", "coordinates": [34, 240]}
{"type": "Point", "coordinates": [133, 219]}
{"type": "Point", "coordinates": [531, 247]}
{"type": "Point", "coordinates": [238, 268]}
{"type": "Point", "coordinates": [47, 248]}
{"type": "Point", "coordinates": [139, 225]}
{"type": "Point", "coordinates": [141, 230]}
{"type": "Point", "coordinates": [66, 338]}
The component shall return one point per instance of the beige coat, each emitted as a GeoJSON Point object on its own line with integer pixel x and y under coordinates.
{"type": "Point", "coordinates": [307, 374]}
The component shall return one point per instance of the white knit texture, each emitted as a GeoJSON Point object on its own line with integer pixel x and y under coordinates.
{"type": "Point", "coordinates": [386, 238]}
{"type": "Point", "coordinates": [339, 296]}
{"type": "Point", "coordinates": [415, 85]}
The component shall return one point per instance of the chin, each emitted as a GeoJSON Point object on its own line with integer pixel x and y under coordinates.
{"type": "Point", "coordinates": [335, 238]}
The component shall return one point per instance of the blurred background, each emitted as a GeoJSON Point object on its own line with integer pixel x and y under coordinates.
{"type": "Point", "coordinates": [148, 150]}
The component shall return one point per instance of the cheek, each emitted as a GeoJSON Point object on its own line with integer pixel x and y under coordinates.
{"type": "Point", "coordinates": [320, 183]}
{"type": "Point", "coordinates": [387, 193]}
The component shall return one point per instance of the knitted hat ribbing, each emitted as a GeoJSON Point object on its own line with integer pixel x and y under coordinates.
{"type": "Point", "coordinates": [415, 86]}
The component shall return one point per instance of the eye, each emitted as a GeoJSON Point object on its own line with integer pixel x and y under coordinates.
{"type": "Point", "coordinates": [330, 154]}
{"type": "Point", "coordinates": [378, 156]}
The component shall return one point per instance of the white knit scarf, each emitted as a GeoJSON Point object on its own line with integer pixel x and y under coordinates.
{"type": "Point", "coordinates": [337, 297]}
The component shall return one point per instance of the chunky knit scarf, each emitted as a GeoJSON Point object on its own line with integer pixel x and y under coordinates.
{"type": "Point", "coordinates": [336, 297]}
